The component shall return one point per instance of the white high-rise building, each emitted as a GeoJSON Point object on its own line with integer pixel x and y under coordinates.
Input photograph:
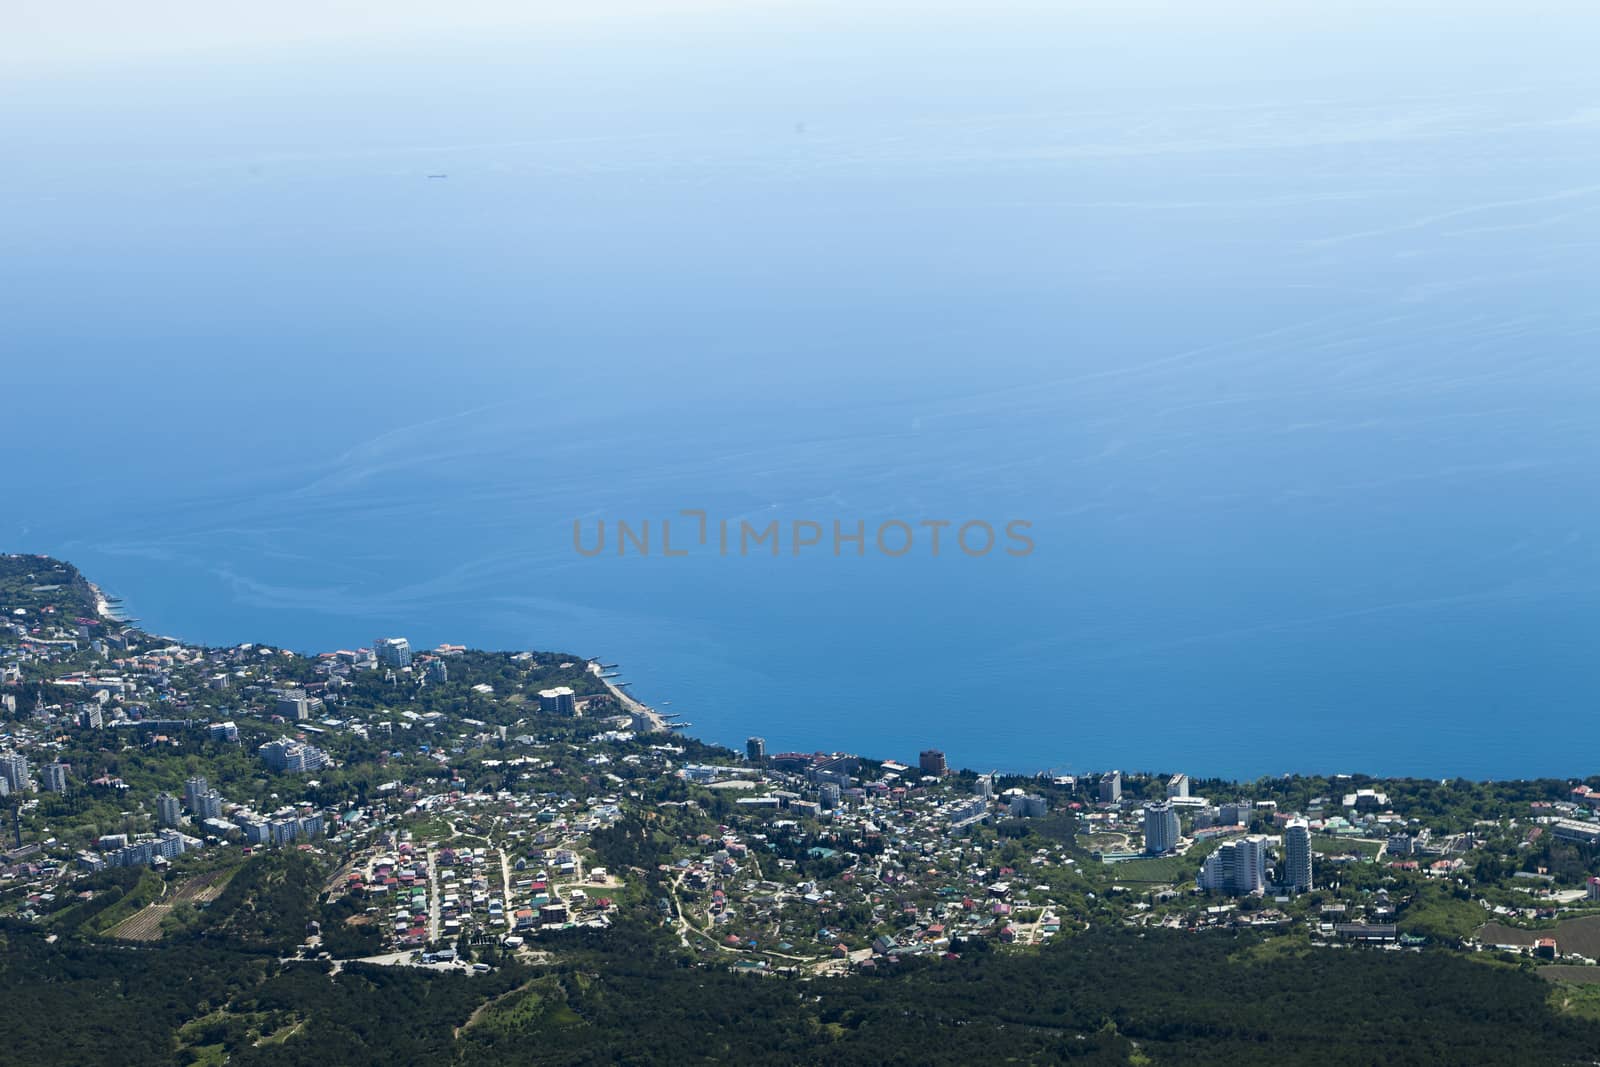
{"type": "Point", "coordinates": [167, 811]}
{"type": "Point", "coordinates": [1111, 788]}
{"type": "Point", "coordinates": [1238, 867]}
{"type": "Point", "coordinates": [14, 769]}
{"type": "Point", "coordinates": [55, 777]}
{"type": "Point", "coordinates": [1178, 785]}
{"type": "Point", "coordinates": [292, 757]}
{"type": "Point", "coordinates": [294, 705]}
{"type": "Point", "coordinates": [558, 701]}
{"type": "Point", "coordinates": [1297, 856]}
{"type": "Point", "coordinates": [193, 790]}
{"type": "Point", "coordinates": [209, 805]}
{"type": "Point", "coordinates": [1252, 865]}
{"type": "Point", "coordinates": [170, 843]}
{"type": "Point", "coordinates": [393, 651]}
{"type": "Point", "coordinates": [1161, 828]}
{"type": "Point", "coordinates": [1029, 806]}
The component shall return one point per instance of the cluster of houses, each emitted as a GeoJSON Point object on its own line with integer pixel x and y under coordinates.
{"type": "Point", "coordinates": [823, 853]}
{"type": "Point", "coordinates": [816, 855]}
{"type": "Point", "coordinates": [528, 878]}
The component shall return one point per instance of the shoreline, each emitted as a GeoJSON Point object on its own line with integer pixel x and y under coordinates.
{"type": "Point", "coordinates": [102, 606]}
{"type": "Point", "coordinates": [657, 724]}
{"type": "Point", "coordinates": [632, 706]}
{"type": "Point", "coordinates": [636, 708]}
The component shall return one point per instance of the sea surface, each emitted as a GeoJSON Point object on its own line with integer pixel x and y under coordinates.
{"type": "Point", "coordinates": [1283, 339]}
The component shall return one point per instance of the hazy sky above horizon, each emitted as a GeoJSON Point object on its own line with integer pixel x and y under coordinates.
{"type": "Point", "coordinates": [49, 37]}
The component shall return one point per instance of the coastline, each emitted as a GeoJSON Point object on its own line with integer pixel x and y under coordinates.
{"type": "Point", "coordinates": [656, 722]}
{"type": "Point", "coordinates": [103, 607]}
{"type": "Point", "coordinates": [638, 709]}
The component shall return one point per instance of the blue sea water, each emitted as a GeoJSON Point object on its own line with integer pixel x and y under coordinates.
{"type": "Point", "coordinates": [1283, 342]}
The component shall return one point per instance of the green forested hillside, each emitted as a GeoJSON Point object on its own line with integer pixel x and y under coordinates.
{"type": "Point", "coordinates": [624, 997]}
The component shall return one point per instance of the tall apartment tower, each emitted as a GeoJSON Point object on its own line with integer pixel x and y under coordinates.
{"type": "Point", "coordinates": [932, 763]}
{"type": "Point", "coordinates": [1297, 856]}
{"type": "Point", "coordinates": [14, 769]}
{"type": "Point", "coordinates": [1178, 785]}
{"type": "Point", "coordinates": [392, 651]}
{"type": "Point", "coordinates": [167, 810]}
{"type": "Point", "coordinates": [1111, 788]}
{"type": "Point", "coordinates": [1238, 867]}
{"type": "Point", "coordinates": [193, 790]}
{"type": "Point", "coordinates": [755, 750]}
{"type": "Point", "coordinates": [1161, 828]}
{"type": "Point", "coordinates": [210, 805]}
{"type": "Point", "coordinates": [55, 777]}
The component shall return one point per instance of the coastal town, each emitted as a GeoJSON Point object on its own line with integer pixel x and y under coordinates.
{"type": "Point", "coordinates": [463, 806]}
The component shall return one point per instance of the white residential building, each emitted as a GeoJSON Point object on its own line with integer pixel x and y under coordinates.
{"type": "Point", "coordinates": [1237, 867]}
{"type": "Point", "coordinates": [167, 810]}
{"type": "Point", "coordinates": [292, 757]}
{"type": "Point", "coordinates": [558, 701]}
{"type": "Point", "coordinates": [393, 651]}
{"type": "Point", "coordinates": [1029, 806]}
{"type": "Point", "coordinates": [208, 805]}
{"type": "Point", "coordinates": [1297, 856]}
{"type": "Point", "coordinates": [55, 777]}
{"type": "Point", "coordinates": [14, 769]}
{"type": "Point", "coordinates": [193, 790]}
{"type": "Point", "coordinates": [1111, 788]}
{"type": "Point", "coordinates": [294, 705]}
{"type": "Point", "coordinates": [1161, 828]}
